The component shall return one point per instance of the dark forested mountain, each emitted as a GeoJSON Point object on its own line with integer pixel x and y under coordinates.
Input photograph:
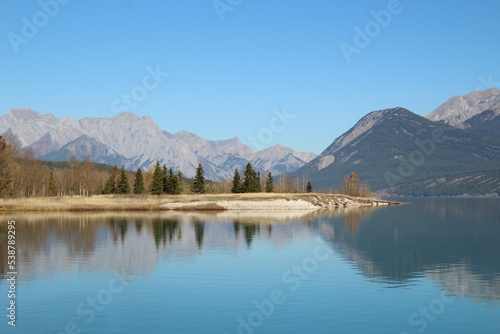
{"type": "Point", "coordinates": [486, 123]}
{"type": "Point", "coordinates": [396, 151]}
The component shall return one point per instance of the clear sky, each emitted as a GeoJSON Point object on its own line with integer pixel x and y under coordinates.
{"type": "Point", "coordinates": [233, 64]}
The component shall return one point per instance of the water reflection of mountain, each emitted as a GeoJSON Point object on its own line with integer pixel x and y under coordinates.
{"type": "Point", "coordinates": [449, 240]}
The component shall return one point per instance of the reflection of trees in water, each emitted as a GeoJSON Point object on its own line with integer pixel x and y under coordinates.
{"type": "Point", "coordinates": [352, 221]}
{"type": "Point", "coordinates": [80, 234]}
{"type": "Point", "coordinates": [353, 216]}
{"type": "Point", "coordinates": [236, 225]}
{"type": "Point", "coordinates": [3, 249]}
{"type": "Point", "coordinates": [250, 229]}
{"type": "Point", "coordinates": [199, 231]}
{"type": "Point", "coordinates": [65, 241]}
{"type": "Point", "coordinates": [165, 228]}
{"type": "Point", "coordinates": [77, 233]}
{"type": "Point", "coordinates": [119, 227]}
{"type": "Point", "coordinates": [138, 225]}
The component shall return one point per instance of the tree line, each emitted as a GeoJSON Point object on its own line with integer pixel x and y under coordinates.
{"type": "Point", "coordinates": [22, 175]}
{"type": "Point", "coordinates": [251, 182]}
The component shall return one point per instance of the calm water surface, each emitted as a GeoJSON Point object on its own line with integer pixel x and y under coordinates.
{"type": "Point", "coordinates": [429, 267]}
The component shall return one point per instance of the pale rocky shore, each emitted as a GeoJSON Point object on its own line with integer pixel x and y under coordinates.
{"type": "Point", "coordinates": [221, 202]}
{"type": "Point", "coordinates": [292, 202]}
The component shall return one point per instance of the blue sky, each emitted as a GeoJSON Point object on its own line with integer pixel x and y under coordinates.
{"type": "Point", "coordinates": [232, 69]}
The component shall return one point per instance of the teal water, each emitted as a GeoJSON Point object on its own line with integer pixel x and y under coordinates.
{"type": "Point", "coordinates": [429, 267]}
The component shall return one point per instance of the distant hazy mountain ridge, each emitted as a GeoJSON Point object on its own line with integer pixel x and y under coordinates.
{"type": "Point", "coordinates": [137, 142]}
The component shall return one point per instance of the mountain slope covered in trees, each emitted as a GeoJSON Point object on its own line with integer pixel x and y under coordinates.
{"type": "Point", "coordinates": [398, 152]}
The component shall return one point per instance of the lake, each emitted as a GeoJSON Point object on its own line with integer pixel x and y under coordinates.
{"type": "Point", "coordinates": [432, 266]}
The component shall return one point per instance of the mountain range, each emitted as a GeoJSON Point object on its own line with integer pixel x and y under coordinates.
{"type": "Point", "coordinates": [137, 142]}
{"type": "Point", "coordinates": [454, 150]}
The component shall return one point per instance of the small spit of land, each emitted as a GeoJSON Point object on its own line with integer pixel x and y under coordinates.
{"type": "Point", "coordinates": [248, 201]}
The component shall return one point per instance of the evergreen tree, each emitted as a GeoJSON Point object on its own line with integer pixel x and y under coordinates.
{"type": "Point", "coordinates": [251, 184]}
{"type": "Point", "coordinates": [269, 183]}
{"type": "Point", "coordinates": [139, 182]}
{"type": "Point", "coordinates": [52, 185]}
{"type": "Point", "coordinates": [123, 187]}
{"type": "Point", "coordinates": [199, 183]}
{"type": "Point", "coordinates": [167, 181]}
{"type": "Point", "coordinates": [176, 183]}
{"type": "Point", "coordinates": [158, 180]}
{"type": "Point", "coordinates": [111, 184]}
{"type": "Point", "coordinates": [249, 179]}
{"type": "Point", "coordinates": [258, 188]}
{"type": "Point", "coordinates": [237, 187]}
{"type": "Point", "coordinates": [173, 182]}
{"type": "Point", "coordinates": [309, 187]}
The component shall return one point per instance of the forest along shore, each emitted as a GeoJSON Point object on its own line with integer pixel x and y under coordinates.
{"type": "Point", "coordinates": [251, 201]}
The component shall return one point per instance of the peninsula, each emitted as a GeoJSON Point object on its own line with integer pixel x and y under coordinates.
{"type": "Point", "coordinates": [248, 201]}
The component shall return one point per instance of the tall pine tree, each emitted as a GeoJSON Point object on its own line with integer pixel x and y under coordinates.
{"type": "Point", "coordinates": [139, 182]}
{"type": "Point", "coordinates": [258, 188]}
{"type": "Point", "coordinates": [52, 185]}
{"type": "Point", "coordinates": [176, 183]}
{"type": "Point", "coordinates": [236, 189]}
{"type": "Point", "coordinates": [251, 184]}
{"type": "Point", "coordinates": [173, 182]}
{"type": "Point", "coordinates": [309, 187]}
{"type": "Point", "coordinates": [111, 184]}
{"type": "Point", "coordinates": [167, 181]}
{"type": "Point", "coordinates": [158, 180]}
{"type": "Point", "coordinates": [199, 184]}
{"type": "Point", "coordinates": [123, 187]}
{"type": "Point", "coordinates": [269, 183]}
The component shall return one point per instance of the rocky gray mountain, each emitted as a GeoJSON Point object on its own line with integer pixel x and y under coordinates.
{"type": "Point", "coordinates": [137, 142]}
{"type": "Point", "coordinates": [459, 109]}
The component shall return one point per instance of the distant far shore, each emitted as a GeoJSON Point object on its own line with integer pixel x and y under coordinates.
{"type": "Point", "coordinates": [248, 201]}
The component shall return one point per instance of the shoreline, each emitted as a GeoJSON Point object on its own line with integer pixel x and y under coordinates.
{"type": "Point", "coordinates": [213, 202]}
